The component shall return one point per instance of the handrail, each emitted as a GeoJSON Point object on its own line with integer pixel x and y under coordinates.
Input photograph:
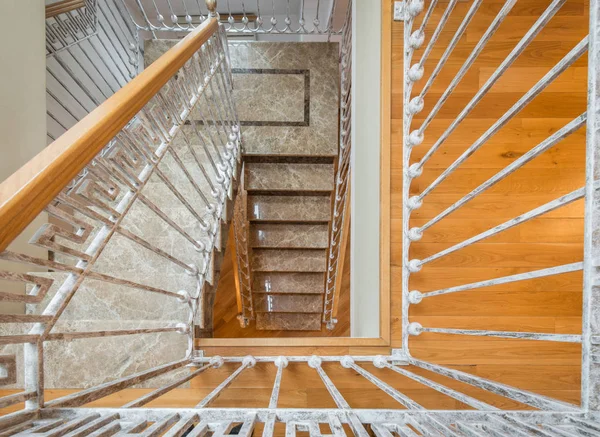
{"type": "Point", "coordinates": [63, 6]}
{"type": "Point", "coordinates": [27, 191]}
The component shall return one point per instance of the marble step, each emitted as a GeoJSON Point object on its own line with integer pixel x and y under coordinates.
{"type": "Point", "coordinates": [289, 208]}
{"type": "Point", "coordinates": [282, 283]}
{"type": "Point", "coordinates": [288, 321]}
{"type": "Point", "coordinates": [289, 178]}
{"type": "Point", "coordinates": [289, 236]}
{"type": "Point", "coordinates": [289, 260]}
{"type": "Point", "coordinates": [288, 303]}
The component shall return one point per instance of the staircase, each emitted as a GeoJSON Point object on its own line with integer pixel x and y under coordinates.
{"type": "Point", "coordinates": [287, 96]}
{"type": "Point", "coordinates": [289, 250]}
{"type": "Point", "coordinates": [289, 175]}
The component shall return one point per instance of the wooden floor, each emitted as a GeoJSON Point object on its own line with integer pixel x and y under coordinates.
{"type": "Point", "coordinates": [544, 305]}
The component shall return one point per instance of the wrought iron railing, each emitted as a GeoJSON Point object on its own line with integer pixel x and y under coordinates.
{"type": "Point", "coordinates": [245, 16]}
{"type": "Point", "coordinates": [415, 132]}
{"type": "Point", "coordinates": [92, 50]}
{"type": "Point", "coordinates": [128, 203]}
{"type": "Point", "coordinates": [243, 255]}
{"type": "Point", "coordinates": [126, 155]}
{"type": "Point", "coordinates": [338, 231]}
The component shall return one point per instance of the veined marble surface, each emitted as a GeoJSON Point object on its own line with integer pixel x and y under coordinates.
{"type": "Point", "coordinates": [288, 303]}
{"type": "Point", "coordinates": [289, 208]}
{"type": "Point", "coordinates": [268, 96]}
{"type": "Point", "coordinates": [100, 306]}
{"type": "Point", "coordinates": [288, 321]}
{"type": "Point", "coordinates": [274, 282]}
{"type": "Point", "coordinates": [289, 235]}
{"type": "Point", "coordinates": [286, 260]}
{"type": "Point", "coordinates": [289, 177]}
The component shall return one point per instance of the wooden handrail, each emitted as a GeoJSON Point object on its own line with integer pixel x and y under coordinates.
{"type": "Point", "coordinates": [343, 242]}
{"type": "Point", "coordinates": [63, 6]}
{"type": "Point", "coordinates": [26, 192]}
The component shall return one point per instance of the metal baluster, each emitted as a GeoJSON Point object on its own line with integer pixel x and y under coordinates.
{"type": "Point", "coordinates": [248, 362]}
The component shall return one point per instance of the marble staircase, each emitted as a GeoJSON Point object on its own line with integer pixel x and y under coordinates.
{"type": "Point", "coordinates": [287, 98]}
{"type": "Point", "coordinates": [288, 262]}
{"type": "Point", "coordinates": [289, 176]}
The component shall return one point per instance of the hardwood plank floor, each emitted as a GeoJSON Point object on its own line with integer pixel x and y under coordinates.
{"type": "Point", "coordinates": [542, 305]}
{"type": "Point", "coordinates": [550, 304]}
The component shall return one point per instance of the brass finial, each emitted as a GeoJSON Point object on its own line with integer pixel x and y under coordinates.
{"type": "Point", "coordinates": [212, 7]}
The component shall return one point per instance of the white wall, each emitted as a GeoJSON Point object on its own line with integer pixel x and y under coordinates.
{"type": "Point", "coordinates": [364, 240]}
{"type": "Point", "coordinates": [22, 95]}
{"type": "Point", "coordinates": [22, 83]}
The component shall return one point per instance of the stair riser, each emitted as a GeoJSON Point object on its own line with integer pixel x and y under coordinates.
{"type": "Point", "coordinates": [288, 322]}
{"type": "Point", "coordinates": [286, 303]}
{"type": "Point", "coordinates": [276, 260]}
{"type": "Point", "coordinates": [289, 177]}
{"type": "Point", "coordinates": [289, 236]}
{"type": "Point", "coordinates": [307, 283]}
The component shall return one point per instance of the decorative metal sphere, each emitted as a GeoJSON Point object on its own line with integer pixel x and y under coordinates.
{"type": "Point", "coordinates": [211, 5]}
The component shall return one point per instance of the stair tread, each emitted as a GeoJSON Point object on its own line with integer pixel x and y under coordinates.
{"type": "Point", "coordinates": [289, 235]}
{"type": "Point", "coordinates": [288, 303]}
{"type": "Point", "coordinates": [288, 260]}
{"type": "Point", "coordinates": [288, 321]}
{"type": "Point", "coordinates": [289, 177]}
{"type": "Point", "coordinates": [288, 282]}
{"type": "Point", "coordinates": [297, 208]}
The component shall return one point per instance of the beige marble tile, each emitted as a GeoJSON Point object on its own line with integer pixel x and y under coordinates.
{"type": "Point", "coordinates": [269, 96]}
{"type": "Point", "coordinates": [281, 98]}
{"type": "Point", "coordinates": [288, 322]}
{"type": "Point", "coordinates": [288, 303]}
{"type": "Point", "coordinates": [289, 177]}
{"type": "Point", "coordinates": [274, 282]}
{"type": "Point", "coordinates": [282, 260]}
{"type": "Point", "coordinates": [289, 235]}
{"type": "Point", "coordinates": [321, 59]}
{"type": "Point", "coordinates": [289, 208]}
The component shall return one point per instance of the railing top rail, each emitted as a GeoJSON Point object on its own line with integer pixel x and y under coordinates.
{"type": "Point", "coordinates": [63, 6]}
{"type": "Point", "coordinates": [27, 191]}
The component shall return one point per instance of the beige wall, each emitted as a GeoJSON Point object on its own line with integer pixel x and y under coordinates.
{"type": "Point", "coordinates": [22, 89]}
